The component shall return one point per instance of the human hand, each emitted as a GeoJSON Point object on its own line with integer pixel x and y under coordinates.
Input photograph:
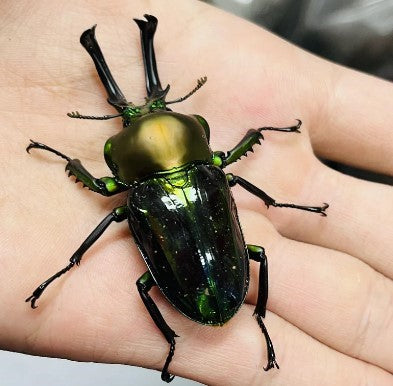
{"type": "Point", "coordinates": [331, 293]}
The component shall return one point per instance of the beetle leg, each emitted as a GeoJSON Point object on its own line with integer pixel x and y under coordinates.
{"type": "Point", "coordinates": [252, 137]}
{"type": "Point", "coordinates": [144, 284]}
{"type": "Point", "coordinates": [258, 254]}
{"type": "Point", "coordinates": [107, 186]}
{"type": "Point", "coordinates": [233, 180]}
{"type": "Point", "coordinates": [118, 214]}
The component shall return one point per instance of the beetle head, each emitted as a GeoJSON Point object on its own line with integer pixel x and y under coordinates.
{"type": "Point", "coordinates": [153, 104]}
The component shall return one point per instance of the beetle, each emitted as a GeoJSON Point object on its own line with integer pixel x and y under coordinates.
{"type": "Point", "coordinates": [179, 208]}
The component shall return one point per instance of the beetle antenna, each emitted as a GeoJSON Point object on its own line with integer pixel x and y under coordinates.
{"type": "Point", "coordinates": [200, 83]}
{"type": "Point", "coordinates": [103, 118]}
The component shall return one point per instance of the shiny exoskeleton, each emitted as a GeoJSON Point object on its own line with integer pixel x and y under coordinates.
{"type": "Point", "coordinates": [180, 209]}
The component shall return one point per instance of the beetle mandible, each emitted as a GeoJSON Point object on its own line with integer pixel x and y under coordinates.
{"type": "Point", "coordinates": [179, 208]}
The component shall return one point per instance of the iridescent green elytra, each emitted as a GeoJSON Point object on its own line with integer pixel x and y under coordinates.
{"type": "Point", "coordinates": [179, 220]}
{"type": "Point", "coordinates": [179, 208]}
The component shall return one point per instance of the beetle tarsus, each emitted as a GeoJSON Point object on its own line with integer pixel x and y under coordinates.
{"type": "Point", "coordinates": [32, 299]}
{"type": "Point", "coordinates": [41, 288]}
{"type": "Point", "coordinates": [144, 285]}
{"type": "Point", "coordinates": [315, 209]}
{"type": "Point", "coordinates": [165, 375]}
{"type": "Point", "coordinates": [290, 129]}
{"type": "Point", "coordinates": [271, 356]}
{"type": "Point", "coordinates": [271, 364]}
{"type": "Point", "coordinates": [323, 208]}
{"type": "Point", "coordinates": [38, 145]}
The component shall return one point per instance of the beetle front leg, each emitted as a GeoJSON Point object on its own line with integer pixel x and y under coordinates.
{"type": "Point", "coordinates": [269, 201]}
{"type": "Point", "coordinates": [107, 186]}
{"type": "Point", "coordinates": [252, 137]}
{"type": "Point", "coordinates": [118, 214]}
{"type": "Point", "coordinates": [144, 284]}
{"type": "Point", "coordinates": [258, 254]}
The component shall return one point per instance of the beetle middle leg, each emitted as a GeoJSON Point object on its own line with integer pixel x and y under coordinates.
{"type": "Point", "coordinates": [118, 214]}
{"type": "Point", "coordinates": [258, 254]}
{"type": "Point", "coordinates": [145, 284]}
{"type": "Point", "coordinates": [107, 186]}
{"type": "Point", "coordinates": [269, 201]}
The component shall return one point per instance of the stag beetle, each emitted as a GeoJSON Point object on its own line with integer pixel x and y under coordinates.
{"type": "Point", "coordinates": [179, 208]}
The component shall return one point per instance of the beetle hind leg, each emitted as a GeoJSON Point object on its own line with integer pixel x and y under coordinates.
{"type": "Point", "coordinates": [271, 360]}
{"type": "Point", "coordinates": [145, 284]}
{"type": "Point", "coordinates": [258, 254]}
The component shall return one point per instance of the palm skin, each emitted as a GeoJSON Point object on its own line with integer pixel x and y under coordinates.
{"type": "Point", "coordinates": [330, 300]}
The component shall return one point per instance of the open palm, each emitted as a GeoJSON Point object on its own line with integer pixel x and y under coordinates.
{"type": "Point", "coordinates": [330, 299]}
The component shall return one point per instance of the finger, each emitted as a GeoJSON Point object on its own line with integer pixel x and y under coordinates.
{"type": "Point", "coordinates": [97, 314]}
{"type": "Point", "coordinates": [331, 296]}
{"type": "Point", "coordinates": [359, 221]}
{"type": "Point", "coordinates": [234, 357]}
{"type": "Point", "coordinates": [360, 217]}
{"type": "Point", "coordinates": [230, 355]}
{"type": "Point", "coordinates": [356, 126]}
{"type": "Point", "coordinates": [99, 299]}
